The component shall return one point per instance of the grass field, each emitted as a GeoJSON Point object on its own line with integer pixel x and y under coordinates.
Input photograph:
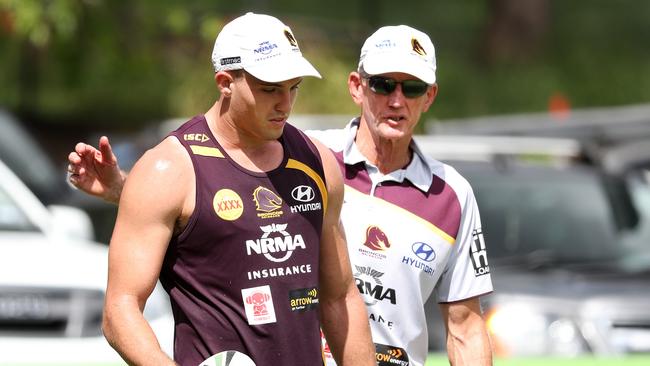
{"type": "Point", "coordinates": [441, 360]}
{"type": "Point", "coordinates": [636, 360]}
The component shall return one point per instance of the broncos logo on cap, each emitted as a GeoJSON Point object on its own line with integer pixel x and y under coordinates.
{"type": "Point", "coordinates": [291, 38]}
{"type": "Point", "coordinates": [376, 239]}
{"type": "Point", "coordinates": [266, 200]}
{"type": "Point", "coordinates": [417, 47]}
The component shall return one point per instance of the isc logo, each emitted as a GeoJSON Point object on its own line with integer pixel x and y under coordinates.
{"type": "Point", "coordinates": [201, 137]}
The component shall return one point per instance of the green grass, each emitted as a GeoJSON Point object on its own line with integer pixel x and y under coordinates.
{"type": "Point", "coordinates": [636, 360]}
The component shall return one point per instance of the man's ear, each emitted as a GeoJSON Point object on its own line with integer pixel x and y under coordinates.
{"type": "Point", "coordinates": [431, 96]}
{"type": "Point", "coordinates": [355, 87]}
{"type": "Point", "coordinates": [224, 81]}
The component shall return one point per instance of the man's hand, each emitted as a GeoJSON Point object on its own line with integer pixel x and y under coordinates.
{"type": "Point", "coordinates": [96, 172]}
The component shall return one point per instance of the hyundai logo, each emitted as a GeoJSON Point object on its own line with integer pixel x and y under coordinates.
{"type": "Point", "coordinates": [424, 251]}
{"type": "Point", "coordinates": [303, 193]}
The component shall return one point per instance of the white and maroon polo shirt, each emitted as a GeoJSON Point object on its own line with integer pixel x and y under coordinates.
{"type": "Point", "coordinates": [411, 234]}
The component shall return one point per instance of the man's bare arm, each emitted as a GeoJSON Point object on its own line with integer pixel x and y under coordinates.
{"type": "Point", "coordinates": [143, 228]}
{"type": "Point", "coordinates": [343, 314]}
{"type": "Point", "coordinates": [467, 340]}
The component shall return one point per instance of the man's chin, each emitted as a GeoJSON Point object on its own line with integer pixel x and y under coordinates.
{"type": "Point", "coordinates": [275, 133]}
{"type": "Point", "coordinates": [391, 133]}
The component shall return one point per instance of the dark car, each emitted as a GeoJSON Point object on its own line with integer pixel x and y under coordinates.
{"type": "Point", "coordinates": [569, 252]}
{"type": "Point", "coordinates": [23, 154]}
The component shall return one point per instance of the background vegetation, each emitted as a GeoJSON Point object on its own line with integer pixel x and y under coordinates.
{"type": "Point", "coordinates": [100, 64]}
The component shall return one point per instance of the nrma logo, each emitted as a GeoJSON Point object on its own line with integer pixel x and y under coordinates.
{"type": "Point", "coordinates": [274, 247]}
{"type": "Point", "coordinates": [265, 48]}
{"type": "Point", "coordinates": [368, 281]}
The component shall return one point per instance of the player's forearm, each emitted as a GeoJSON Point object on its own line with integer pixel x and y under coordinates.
{"type": "Point", "coordinates": [345, 324]}
{"type": "Point", "coordinates": [470, 348]}
{"type": "Point", "coordinates": [130, 335]}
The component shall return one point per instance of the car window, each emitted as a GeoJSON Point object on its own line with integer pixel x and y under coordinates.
{"type": "Point", "coordinates": [12, 218]}
{"type": "Point", "coordinates": [560, 213]}
{"type": "Point", "coordinates": [27, 159]}
{"type": "Point", "coordinates": [637, 241]}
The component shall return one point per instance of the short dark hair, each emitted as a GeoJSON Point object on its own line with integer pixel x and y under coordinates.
{"type": "Point", "coordinates": [236, 74]}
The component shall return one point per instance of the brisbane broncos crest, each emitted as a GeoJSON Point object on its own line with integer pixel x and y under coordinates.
{"type": "Point", "coordinates": [267, 203]}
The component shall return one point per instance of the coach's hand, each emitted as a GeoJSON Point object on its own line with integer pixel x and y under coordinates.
{"type": "Point", "coordinates": [95, 171]}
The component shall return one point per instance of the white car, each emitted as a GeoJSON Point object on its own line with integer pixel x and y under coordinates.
{"type": "Point", "coordinates": [52, 283]}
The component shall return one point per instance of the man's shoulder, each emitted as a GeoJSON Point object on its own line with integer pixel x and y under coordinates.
{"type": "Point", "coordinates": [165, 170]}
{"type": "Point", "coordinates": [168, 153]}
{"type": "Point", "coordinates": [449, 174]}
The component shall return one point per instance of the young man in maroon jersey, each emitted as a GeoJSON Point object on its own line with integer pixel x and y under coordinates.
{"type": "Point", "coordinates": [210, 211]}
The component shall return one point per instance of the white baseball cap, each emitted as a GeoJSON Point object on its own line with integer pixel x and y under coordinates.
{"type": "Point", "coordinates": [263, 46]}
{"type": "Point", "coordinates": [399, 48]}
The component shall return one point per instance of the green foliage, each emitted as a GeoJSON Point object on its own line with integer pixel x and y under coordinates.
{"type": "Point", "coordinates": [126, 63]}
{"type": "Point", "coordinates": [39, 21]}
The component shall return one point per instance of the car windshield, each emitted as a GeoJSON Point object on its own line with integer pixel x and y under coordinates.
{"type": "Point", "coordinates": [12, 217]}
{"type": "Point", "coordinates": [544, 215]}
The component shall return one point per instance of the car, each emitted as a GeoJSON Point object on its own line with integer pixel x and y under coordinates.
{"type": "Point", "coordinates": [600, 125]}
{"type": "Point", "coordinates": [52, 284]}
{"type": "Point", "coordinates": [32, 163]}
{"type": "Point", "coordinates": [568, 246]}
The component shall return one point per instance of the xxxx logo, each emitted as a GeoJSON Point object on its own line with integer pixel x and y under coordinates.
{"type": "Point", "coordinates": [227, 204]}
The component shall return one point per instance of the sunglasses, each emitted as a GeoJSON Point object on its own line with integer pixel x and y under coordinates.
{"type": "Point", "coordinates": [385, 86]}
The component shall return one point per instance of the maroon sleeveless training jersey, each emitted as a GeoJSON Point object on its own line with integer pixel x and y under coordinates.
{"type": "Point", "coordinates": [243, 275]}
